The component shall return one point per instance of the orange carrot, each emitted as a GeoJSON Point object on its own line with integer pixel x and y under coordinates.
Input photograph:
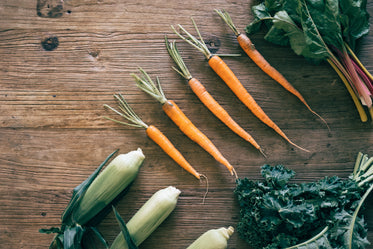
{"type": "Point", "coordinates": [206, 97]}
{"type": "Point", "coordinates": [224, 72]}
{"type": "Point", "coordinates": [262, 63]}
{"type": "Point", "coordinates": [146, 84]}
{"type": "Point", "coordinates": [222, 69]}
{"type": "Point", "coordinates": [153, 133]}
{"type": "Point", "coordinates": [159, 138]}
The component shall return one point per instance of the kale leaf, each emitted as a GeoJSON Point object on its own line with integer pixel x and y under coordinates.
{"type": "Point", "coordinates": [276, 213]}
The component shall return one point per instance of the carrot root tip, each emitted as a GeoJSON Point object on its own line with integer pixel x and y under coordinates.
{"type": "Point", "coordinates": [262, 152]}
{"type": "Point", "coordinates": [207, 187]}
{"type": "Point", "coordinates": [322, 119]}
{"type": "Point", "coordinates": [233, 172]}
{"type": "Point", "coordinates": [301, 148]}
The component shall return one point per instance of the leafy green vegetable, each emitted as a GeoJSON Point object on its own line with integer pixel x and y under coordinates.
{"type": "Point", "coordinates": [321, 30]}
{"type": "Point", "coordinates": [276, 213]}
{"type": "Point", "coordinates": [355, 20]}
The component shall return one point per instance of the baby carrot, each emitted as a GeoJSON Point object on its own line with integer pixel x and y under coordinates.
{"type": "Point", "coordinates": [146, 84]}
{"type": "Point", "coordinates": [153, 133]}
{"type": "Point", "coordinates": [262, 63]}
{"type": "Point", "coordinates": [224, 72]}
{"type": "Point", "coordinates": [206, 97]}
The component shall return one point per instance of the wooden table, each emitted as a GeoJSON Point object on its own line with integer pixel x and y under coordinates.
{"type": "Point", "coordinates": [60, 65]}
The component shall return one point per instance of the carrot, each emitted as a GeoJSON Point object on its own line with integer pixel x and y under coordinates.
{"type": "Point", "coordinates": [206, 97]}
{"type": "Point", "coordinates": [146, 84]}
{"type": "Point", "coordinates": [262, 63]}
{"type": "Point", "coordinates": [224, 72]}
{"type": "Point", "coordinates": [153, 133]}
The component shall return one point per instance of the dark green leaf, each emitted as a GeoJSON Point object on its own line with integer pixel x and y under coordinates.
{"type": "Point", "coordinates": [292, 33]}
{"type": "Point", "coordinates": [100, 237]}
{"type": "Point", "coordinates": [324, 24]}
{"type": "Point", "coordinates": [50, 230]}
{"type": "Point", "coordinates": [277, 36]}
{"type": "Point", "coordinates": [325, 15]}
{"type": "Point", "coordinates": [260, 13]}
{"type": "Point", "coordinates": [298, 215]}
{"type": "Point", "coordinates": [72, 237]}
{"type": "Point", "coordinates": [273, 5]}
{"type": "Point", "coordinates": [127, 237]}
{"type": "Point", "coordinates": [107, 209]}
{"type": "Point", "coordinates": [57, 242]}
{"type": "Point", "coordinates": [278, 176]}
{"type": "Point", "coordinates": [275, 213]}
{"type": "Point", "coordinates": [317, 47]}
{"type": "Point", "coordinates": [354, 20]}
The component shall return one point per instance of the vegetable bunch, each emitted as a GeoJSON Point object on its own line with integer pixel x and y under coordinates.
{"type": "Point", "coordinates": [95, 196]}
{"type": "Point", "coordinates": [275, 213]}
{"type": "Point", "coordinates": [218, 65]}
{"type": "Point", "coordinates": [322, 31]}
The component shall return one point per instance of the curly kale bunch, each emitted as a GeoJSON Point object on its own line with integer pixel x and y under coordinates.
{"type": "Point", "coordinates": [275, 213]}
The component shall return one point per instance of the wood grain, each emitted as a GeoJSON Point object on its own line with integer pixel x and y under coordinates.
{"type": "Point", "coordinates": [53, 134]}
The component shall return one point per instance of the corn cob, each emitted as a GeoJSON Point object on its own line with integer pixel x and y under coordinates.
{"type": "Point", "coordinates": [149, 217]}
{"type": "Point", "coordinates": [92, 197]}
{"type": "Point", "coordinates": [213, 239]}
{"type": "Point", "coordinates": [120, 172]}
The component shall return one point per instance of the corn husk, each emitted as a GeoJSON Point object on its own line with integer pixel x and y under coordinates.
{"type": "Point", "coordinates": [90, 198]}
{"type": "Point", "coordinates": [213, 239]}
{"type": "Point", "coordinates": [118, 175]}
{"type": "Point", "coordinates": [149, 217]}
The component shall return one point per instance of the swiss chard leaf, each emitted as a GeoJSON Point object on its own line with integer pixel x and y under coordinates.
{"type": "Point", "coordinates": [325, 15]}
{"type": "Point", "coordinates": [260, 13]}
{"type": "Point", "coordinates": [292, 33]}
{"type": "Point", "coordinates": [354, 19]}
{"type": "Point", "coordinates": [318, 48]}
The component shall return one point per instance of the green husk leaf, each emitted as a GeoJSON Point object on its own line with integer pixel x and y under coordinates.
{"type": "Point", "coordinates": [127, 237]}
{"type": "Point", "coordinates": [79, 191]}
{"type": "Point", "coordinates": [106, 210]}
{"type": "Point", "coordinates": [72, 237]}
{"type": "Point", "coordinates": [50, 230]}
{"type": "Point", "coordinates": [57, 242]}
{"type": "Point", "coordinates": [100, 237]}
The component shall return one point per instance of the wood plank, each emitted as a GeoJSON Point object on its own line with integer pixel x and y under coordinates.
{"type": "Point", "coordinates": [53, 134]}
